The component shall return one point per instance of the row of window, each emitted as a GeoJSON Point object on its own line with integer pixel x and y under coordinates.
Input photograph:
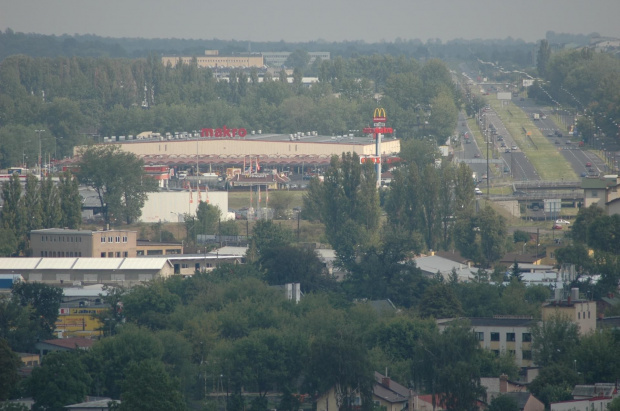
{"type": "Point", "coordinates": [510, 337]}
{"type": "Point", "coordinates": [579, 317]}
{"type": "Point", "coordinates": [112, 254]}
{"type": "Point", "coordinates": [111, 239]}
{"type": "Point", "coordinates": [61, 239]}
{"type": "Point", "coordinates": [61, 253]}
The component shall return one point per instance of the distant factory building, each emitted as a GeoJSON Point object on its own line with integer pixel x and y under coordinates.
{"type": "Point", "coordinates": [212, 59]}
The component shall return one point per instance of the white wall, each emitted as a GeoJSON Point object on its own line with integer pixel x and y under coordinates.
{"type": "Point", "coordinates": [170, 206]}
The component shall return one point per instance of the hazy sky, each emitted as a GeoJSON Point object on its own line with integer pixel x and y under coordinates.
{"type": "Point", "coordinates": [307, 20]}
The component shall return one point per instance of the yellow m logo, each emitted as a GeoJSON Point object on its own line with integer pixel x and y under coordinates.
{"type": "Point", "coordinates": [379, 113]}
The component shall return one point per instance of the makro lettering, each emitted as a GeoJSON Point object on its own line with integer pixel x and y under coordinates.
{"type": "Point", "coordinates": [223, 132]}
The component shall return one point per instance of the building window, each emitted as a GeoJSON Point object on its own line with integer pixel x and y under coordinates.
{"type": "Point", "coordinates": [102, 255]}
{"type": "Point", "coordinates": [588, 314]}
{"type": "Point", "coordinates": [125, 254]}
{"type": "Point", "coordinates": [124, 239]}
{"type": "Point", "coordinates": [118, 254]}
{"type": "Point", "coordinates": [118, 239]}
{"type": "Point", "coordinates": [527, 354]}
{"type": "Point", "coordinates": [103, 239]}
{"type": "Point", "coordinates": [79, 253]}
{"type": "Point", "coordinates": [594, 193]}
{"type": "Point", "coordinates": [579, 316]}
{"type": "Point", "coordinates": [496, 352]}
{"type": "Point", "coordinates": [526, 337]}
{"type": "Point", "coordinates": [494, 336]}
{"type": "Point", "coordinates": [512, 353]}
{"type": "Point", "coordinates": [110, 254]}
{"type": "Point", "coordinates": [511, 337]}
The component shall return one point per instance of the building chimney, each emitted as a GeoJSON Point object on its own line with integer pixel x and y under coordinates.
{"type": "Point", "coordinates": [503, 383]}
{"type": "Point", "coordinates": [386, 381]}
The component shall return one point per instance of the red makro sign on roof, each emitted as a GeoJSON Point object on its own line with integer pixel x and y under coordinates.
{"type": "Point", "coordinates": [223, 132]}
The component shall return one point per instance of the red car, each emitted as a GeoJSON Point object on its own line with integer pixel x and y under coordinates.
{"type": "Point", "coordinates": [557, 227]}
{"type": "Point", "coordinates": [588, 164]}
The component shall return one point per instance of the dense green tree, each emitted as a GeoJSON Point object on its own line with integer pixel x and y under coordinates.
{"type": "Point", "coordinates": [51, 203]}
{"type": "Point", "coordinates": [268, 235]}
{"type": "Point", "coordinates": [107, 361]}
{"type": "Point", "coordinates": [16, 326]}
{"type": "Point", "coordinates": [614, 405]}
{"type": "Point", "coordinates": [13, 215]}
{"type": "Point", "coordinates": [8, 243]}
{"type": "Point", "coordinates": [44, 299]}
{"type": "Point", "coordinates": [264, 360]}
{"type": "Point", "coordinates": [295, 265]}
{"type": "Point", "coordinates": [70, 201]}
{"type": "Point", "coordinates": [60, 380]}
{"type": "Point", "coordinates": [503, 403]}
{"type": "Point", "coordinates": [554, 383]}
{"type": "Point", "coordinates": [147, 386]}
{"type": "Point", "coordinates": [542, 57]}
{"type": "Point", "coordinates": [338, 359]}
{"type": "Point", "coordinates": [450, 366]}
{"type": "Point", "coordinates": [118, 178]}
{"type": "Point", "coordinates": [595, 359]}
{"type": "Point", "coordinates": [147, 305]}
{"type": "Point", "coordinates": [385, 271]}
{"type": "Point", "coordinates": [440, 301]}
{"type": "Point", "coordinates": [554, 340]}
{"type": "Point", "coordinates": [9, 364]}
{"type": "Point", "coordinates": [298, 59]}
{"type": "Point", "coordinates": [348, 204]}
{"type": "Point", "coordinates": [31, 201]}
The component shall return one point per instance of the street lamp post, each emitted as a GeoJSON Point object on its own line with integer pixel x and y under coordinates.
{"type": "Point", "coordinates": [39, 163]}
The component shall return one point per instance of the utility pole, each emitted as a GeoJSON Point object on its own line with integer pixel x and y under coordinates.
{"type": "Point", "coordinates": [39, 162]}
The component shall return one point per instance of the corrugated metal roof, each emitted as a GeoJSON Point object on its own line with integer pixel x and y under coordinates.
{"type": "Point", "coordinates": [88, 263]}
{"type": "Point", "coordinates": [143, 264]}
{"type": "Point", "coordinates": [19, 263]}
{"type": "Point", "coordinates": [56, 263]}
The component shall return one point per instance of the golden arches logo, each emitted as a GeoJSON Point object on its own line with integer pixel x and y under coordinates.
{"type": "Point", "coordinates": [379, 114]}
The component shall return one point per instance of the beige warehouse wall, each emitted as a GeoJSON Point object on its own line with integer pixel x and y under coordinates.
{"type": "Point", "coordinates": [170, 206]}
{"type": "Point", "coordinates": [242, 147]}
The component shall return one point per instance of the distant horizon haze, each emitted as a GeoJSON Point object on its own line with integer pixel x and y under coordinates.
{"type": "Point", "coordinates": [320, 20]}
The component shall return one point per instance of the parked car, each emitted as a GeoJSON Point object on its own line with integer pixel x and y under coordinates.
{"type": "Point", "coordinates": [514, 148]}
{"type": "Point", "coordinates": [477, 191]}
{"type": "Point", "coordinates": [588, 164]}
{"type": "Point", "coordinates": [560, 221]}
{"type": "Point", "coordinates": [557, 227]}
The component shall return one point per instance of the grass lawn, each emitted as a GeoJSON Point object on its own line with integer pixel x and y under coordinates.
{"type": "Point", "coordinates": [239, 199]}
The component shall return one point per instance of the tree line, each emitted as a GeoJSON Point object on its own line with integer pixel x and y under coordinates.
{"type": "Point", "coordinates": [212, 339]}
{"type": "Point", "coordinates": [39, 204]}
{"type": "Point", "coordinates": [76, 98]}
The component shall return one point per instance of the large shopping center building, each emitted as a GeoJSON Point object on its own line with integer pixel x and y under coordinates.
{"type": "Point", "coordinates": [216, 149]}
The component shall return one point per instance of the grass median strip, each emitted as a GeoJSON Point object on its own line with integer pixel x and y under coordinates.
{"type": "Point", "coordinates": [544, 156]}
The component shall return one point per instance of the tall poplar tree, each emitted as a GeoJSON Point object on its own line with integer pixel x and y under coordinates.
{"type": "Point", "coordinates": [13, 214]}
{"type": "Point", "coordinates": [50, 200]}
{"type": "Point", "coordinates": [70, 201]}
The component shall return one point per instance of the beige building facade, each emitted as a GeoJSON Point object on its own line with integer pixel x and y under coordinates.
{"type": "Point", "coordinates": [191, 149]}
{"type": "Point", "coordinates": [504, 335]}
{"type": "Point", "coordinates": [581, 312]}
{"type": "Point", "coordinates": [58, 243]}
{"type": "Point", "coordinates": [212, 59]}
